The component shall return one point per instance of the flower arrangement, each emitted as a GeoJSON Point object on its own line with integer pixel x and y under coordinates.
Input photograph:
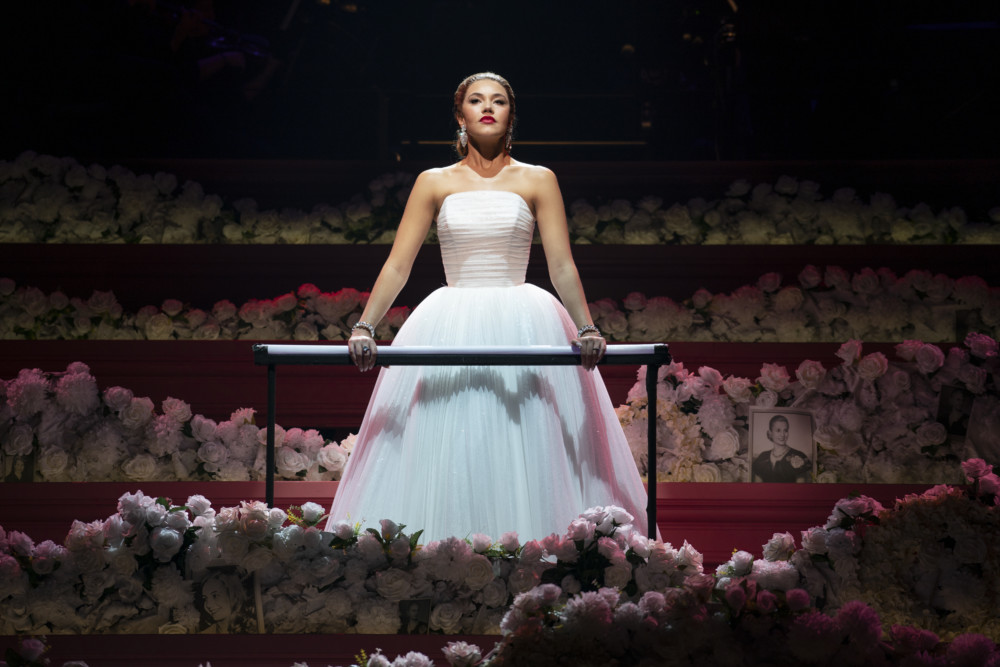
{"type": "Point", "coordinates": [822, 603]}
{"type": "Point", "coordinates": [47, 199]}
{"type": "Point", "coordinates": [142, 569]}
{"type": "Point", "coordinates": [824, 306]}
{"type": "Point", "coordinates": [793, 606]}
{"type": "Point", "coordinates": [73, 433]}
{"type": "Point", "coordinates": [875, 421]}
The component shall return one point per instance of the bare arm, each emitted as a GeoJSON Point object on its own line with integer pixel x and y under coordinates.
{"type": "Point", "coordinates": [413, 227]}
{"type": "Point", "coordinates": [550, 212]}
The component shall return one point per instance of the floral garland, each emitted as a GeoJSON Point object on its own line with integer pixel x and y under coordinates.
{"type": "Point", "coordinates": [620, 598]}
{"type": "Point", "coordinates": [825, 306]}
{"type": "Point", "coordinates": [47, 199]}
{"type": "Point", "coordinates": [874, 421]}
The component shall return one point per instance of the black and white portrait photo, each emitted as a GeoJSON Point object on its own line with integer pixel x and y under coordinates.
{"type": "Point", "coordinates": [782, 448]}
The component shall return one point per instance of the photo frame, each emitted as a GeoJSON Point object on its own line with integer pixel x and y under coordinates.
{"type": "Point", "coordinates": [983, 439]}
{"type": "Point", "coordinates": [782, 428]}
{"type": "Point", "coordinates": [414, 616]}
{"type": "Point", "coordinates": [17, 468]}
{"type": "Point", "coordinates": [229, 602]}
{"type": "Point", "coordinates": [955, 409]}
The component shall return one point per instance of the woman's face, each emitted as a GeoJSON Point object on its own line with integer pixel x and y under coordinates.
{"type": "Point", "coordinates": [779, 433]}
{"type": "Point", "coordinates": [485, 111]}
{"type": "Point", "coordinates": [217, 602]}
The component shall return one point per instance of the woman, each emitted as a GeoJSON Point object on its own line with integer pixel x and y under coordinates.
{"type": "Point", "coordinates": [781, 463]}
{"type": "Point", "coordinates": [459, 450]}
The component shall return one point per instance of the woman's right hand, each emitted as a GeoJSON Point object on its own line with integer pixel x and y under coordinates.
{"type": "Point", "coordinates": [363, 351]}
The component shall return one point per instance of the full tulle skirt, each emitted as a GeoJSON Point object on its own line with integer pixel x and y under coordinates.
{"type": "Point", "coordinates": [488, 449]}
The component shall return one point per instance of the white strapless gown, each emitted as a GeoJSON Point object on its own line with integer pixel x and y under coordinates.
{"type": "Point", "coordinates": [462, 450]}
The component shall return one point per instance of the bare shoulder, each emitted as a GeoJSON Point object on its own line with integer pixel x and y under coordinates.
{"type": "Point", "coordinates": [431, 184]}
{"type": "Point", "coordinates": [534, 173]}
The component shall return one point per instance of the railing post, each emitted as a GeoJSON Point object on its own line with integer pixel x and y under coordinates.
{"type": "Point", "coordinates": [652, 370]}
{"type": "Point", "coordinates": [271, 403]}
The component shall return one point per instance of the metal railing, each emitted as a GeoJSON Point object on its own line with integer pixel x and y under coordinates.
{"type": "Point", "coordinates": [651, 355]}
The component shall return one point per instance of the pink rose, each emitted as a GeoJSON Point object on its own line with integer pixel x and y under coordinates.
{"type": "Point", "coordinates": [635, 301]}
{"type": "Point", "coordinates": [836, 278]}
{"type": "Point", "coordinates": [873, 366]}
{"type": "Point", "coordinates": [769, 282]}
{"type": "Point", "coordinates": [907, 350]}
{"type": "Point", "coordinates": [810, 373]}
{"type": "Point", "coordinates": [798, 599]}
{"type": "Point", "coordinates": [981, 345]}
{"type": "Point", "coordinates": [736, 597]}
{"type": "Point", "coordinates": [767, 602]}
{"type": "Point", "coordinates": [866, 281]}
{"type": "Point", "coordinates": [929, 358]}
{"type": "Point", "coordinates": [738, 389]}
{"type": "Point", "coordinates": [773, 377]}
{"type": "Point", "coordinates": [976, 468]}
{"type": "Point", "coordinates": [850, 352]}
{"type": "Point", "coordinates": [810, 277]}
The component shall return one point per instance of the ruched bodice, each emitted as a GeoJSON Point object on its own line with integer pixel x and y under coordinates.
{"type": "Point", "coordinates": [485, 238]}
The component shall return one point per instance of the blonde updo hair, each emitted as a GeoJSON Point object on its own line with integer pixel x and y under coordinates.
{"type": "Point", "coordinates": [460, 97]}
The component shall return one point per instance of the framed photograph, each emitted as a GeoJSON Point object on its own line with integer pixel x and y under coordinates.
{"type": "Point", "coordinates": [229, 602]}
{"type": "Point", "coordinates": [17, 468]}
{"type": "Point", "coordinates": [414, 616]}
{"type": "Point", "coordinates": [984, 429]}
{"type": "Point", "coordinates": [955, 409]}
{"type": "Point", "coordinates": [782, 448]}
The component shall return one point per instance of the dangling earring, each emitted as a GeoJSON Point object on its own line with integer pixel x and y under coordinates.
{"type": "Point", "coordinates": [510, 139]}
{"type": "Point", "coordinates": [463, 138]}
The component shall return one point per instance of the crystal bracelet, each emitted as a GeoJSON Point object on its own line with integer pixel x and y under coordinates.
{"type": "Point", "coordinates": [364, 325]}
{"type": "Point", "coordinates": [588, 328]}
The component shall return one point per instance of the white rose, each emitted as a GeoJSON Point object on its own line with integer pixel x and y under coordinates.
{"type": "Point", "coordinates": [176, 409]}
{"type": "Point", "coordinates": [137, 414]}
{"type": "Point", "coordinates": [479, 572]}
{"type": "Point", "coordinates": [52, 463]}
{"type": "Point", "coordinates": [19, 440]}
{"type": "Point", "coordinates": [810, 373]}
{"type": "Point", "coordinates": [393, 584]}
{"type": "Point", "coordinates": [706, 472]}
{"type": "Point", "coordinates": [931, 433]}
{"type": "Point", "coordinates": [446, 617]}
{"type": "Point", "coordinates": [140, 469]}
{"type": "Point", "coordinates": [724, 445]}
{"type": "Point", "coordinates": [159, 327]}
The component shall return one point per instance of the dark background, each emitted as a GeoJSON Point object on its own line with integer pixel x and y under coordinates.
{"type": "Point", "coordinates": [635, 79]}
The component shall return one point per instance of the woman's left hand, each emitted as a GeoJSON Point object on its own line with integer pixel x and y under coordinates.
{"type": "Point", "coordinates": [592, 346]}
